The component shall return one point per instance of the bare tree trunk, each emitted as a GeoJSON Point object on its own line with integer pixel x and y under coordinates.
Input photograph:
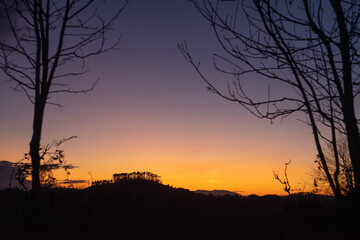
{"type": "Point", "coordinates": [35, 145]}
{"type": "Point", "coordinates": [354, 148]}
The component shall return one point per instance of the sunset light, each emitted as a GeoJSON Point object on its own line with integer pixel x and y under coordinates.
{"type": "Point", "coordinates": [179, 120]}
{"type": "Point", "coordinates": [150, 111]}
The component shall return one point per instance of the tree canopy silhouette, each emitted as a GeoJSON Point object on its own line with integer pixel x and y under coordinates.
{"type": "Point", "coordinates": [308, 48]}
{"type": "Point", "coordinates": [129, 177]}
{"type": "Point", "coordinates": [147, 176]}
{"type": "Point", "coordinates": [41, 38]}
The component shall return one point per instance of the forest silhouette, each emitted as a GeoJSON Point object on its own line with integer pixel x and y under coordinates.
{"type": "Point", "coordinates": [138, 207]}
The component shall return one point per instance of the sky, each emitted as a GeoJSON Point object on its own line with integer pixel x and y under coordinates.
{"type": "Point", "coordinates": [151, 111]}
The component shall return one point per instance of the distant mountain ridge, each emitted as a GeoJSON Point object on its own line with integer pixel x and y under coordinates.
{"type": "Point", "coordinates": [218, 193]}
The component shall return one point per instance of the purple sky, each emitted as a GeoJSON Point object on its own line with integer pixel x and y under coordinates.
{"type": "Point", "coordinates": [151, 112]}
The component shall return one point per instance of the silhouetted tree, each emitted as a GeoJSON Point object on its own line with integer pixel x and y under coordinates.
{"type": "Point", "coordinates": [147, 176]}
{"type": "Point", "coordinates": [101, 182]}
{"type": "Point", "coordinates": [42, 37]}
{"type": "Point", "coordinates": [285, 181]}
{"type": "Point", "coordinates": [345, 174]}
{"type": "Point", "coordinates": [310, 50]}
{"type": "Point", "coordinates": [52, 159]}
{"type": "Point", "coordinates": [134, 176]}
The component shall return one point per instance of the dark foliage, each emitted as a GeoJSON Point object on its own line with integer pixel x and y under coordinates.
{"type": "Point", "coordinates": [138, 209]}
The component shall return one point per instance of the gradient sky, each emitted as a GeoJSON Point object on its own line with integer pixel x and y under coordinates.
{"type": "Point", "coordinates": [151, 112]}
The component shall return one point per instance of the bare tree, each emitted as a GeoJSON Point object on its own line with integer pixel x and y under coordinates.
{"type": "Point", "coordinates": [309, 47]}
{"type": "Point", "coordinates": [42, 37]}
{"type": "Point", "coordinates": [285, 181]}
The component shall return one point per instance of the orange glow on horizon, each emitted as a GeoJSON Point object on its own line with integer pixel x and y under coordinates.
{"type": "Point", "coordinates": [202, 162]}
{"type": "Point", "coordinates": [152, 112]}
{"type": "Point", "coordinates": [246, 178]}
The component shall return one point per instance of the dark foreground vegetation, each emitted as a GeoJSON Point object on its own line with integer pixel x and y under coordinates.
{"type": "Point", "coordinates": [142, 209]}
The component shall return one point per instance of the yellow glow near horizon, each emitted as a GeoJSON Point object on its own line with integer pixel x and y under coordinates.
{"type": "Point", "coordinates": [242, 177]}
{"type": "Point", "coordinates": [200, 162]}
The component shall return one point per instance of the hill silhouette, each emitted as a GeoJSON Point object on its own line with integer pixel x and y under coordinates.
{"type": "Point", "coordinates": [141, 209]}
{"type": "Point", "coordinates": [218, 193]}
